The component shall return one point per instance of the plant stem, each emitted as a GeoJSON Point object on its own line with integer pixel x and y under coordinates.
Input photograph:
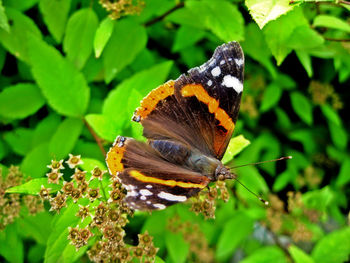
{"type": "Point", "coordinates": [97, 139]}
{"type": "Point", "coordinates": [161, 17]}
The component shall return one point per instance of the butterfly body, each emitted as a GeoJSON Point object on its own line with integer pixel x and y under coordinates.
{"type": "Point", "coordinates": [188, 123]}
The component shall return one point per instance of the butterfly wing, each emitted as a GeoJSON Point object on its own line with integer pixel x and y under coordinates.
{"type": "Point", "coordinates": [151, 182]}
{"type": "Point", "coordinates": [200, 108]}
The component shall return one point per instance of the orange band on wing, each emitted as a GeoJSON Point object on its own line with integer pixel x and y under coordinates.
{"type": "Point", "coordinates": [149, 103]}
{"type": "Point", "coordinates": [114, 159]}
{"type": "Point", "coordinates": [148, 179]}
{"type": "Point", "coordinates": [213, 105]}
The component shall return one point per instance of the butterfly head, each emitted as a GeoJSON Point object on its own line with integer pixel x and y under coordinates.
{"type": "Point", "coordinates": [223, 173]}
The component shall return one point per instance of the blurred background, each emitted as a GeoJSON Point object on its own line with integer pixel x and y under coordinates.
{"type": "Point", "coordinates": [74, 71]}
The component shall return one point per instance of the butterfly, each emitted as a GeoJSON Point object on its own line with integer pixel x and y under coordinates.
{"type": "Point", "coordinates": [188, 123]}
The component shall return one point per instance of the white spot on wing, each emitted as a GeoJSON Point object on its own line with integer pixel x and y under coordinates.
{"type": "Point", "coordinates": [148, 202]}
{"type": "Point", "coordinates": [149, 186]}
{"type": "Point", "coordinates": [145, 192]}
{"type": "Point", "coordinates": [132, 193]}
{"type": "Point", "coordinates": [216, 71]}
{"type": "Point", "coordinates": [171, 197]}
{"type": "Point", "coordinates": [159, 206]}
{"type": "Point", "coordinates": [239, 61]}
{"type": "Point", "coordinates": [209, 83]}
{"type": "Point", "coordinates": [222, 62]}
{"type": "Point", "coordinates": [232, 82]}
{"type": "Point", "coordinates": [143, 197]}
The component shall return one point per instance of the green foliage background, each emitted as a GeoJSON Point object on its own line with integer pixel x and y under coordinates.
{"type": "Point", "coordinates": [67, 66]}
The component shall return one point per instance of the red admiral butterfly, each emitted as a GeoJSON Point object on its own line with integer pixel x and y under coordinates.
{"type": "Point", "coordinates": [188, 123]}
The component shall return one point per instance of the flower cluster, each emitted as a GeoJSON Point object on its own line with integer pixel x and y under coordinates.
{"type": "Point", "coordinates": [120, 8]}
{"type": "Point", "coordinates": [11, 204]}
{"type": "Point", "coordinates": [199, 247]}
{"type": "Point", "coordinates": [322, 92]}
{"type": "Point", "coordinates": [205, 201]}
{"type": "Point", "coordinates": [291, 220]}
{"type": "Point", "coordinates": [102, 211]}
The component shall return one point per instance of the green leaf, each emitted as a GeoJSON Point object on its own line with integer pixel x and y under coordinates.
{"type": "Point", "coordinates": [343, 177]}
{"type": "Point", "coordinates": [339, 135]}
{"type": "Point", "coordinates": [303, 37]}
{"type": "Point", "coordinates": [3, 18]}
{"type": "Point", "coordinates": [78, 40]}
{"type": "Point", "coordinates": [20, 101]}
{"type": "Point", "coordinates": [20, 140]}
{"type": "Point", "coordinates": [58, 240]}
{"type": "Point", "coordinates": [302, 107]}
{"type": "Point", "coordinates": [186, 16]}
{"type": "Point", "coordinates": [89, 164]}
{"type": "Point", "coordinates": [63, 86]}
{"type": "Point", "coordinates": [36, 226]}
{"type": "Point", "coordinates": [177, 247]}
{"type": "Point", "coordinates": [144, 81]}
{"type": "Point", "coordinates": [306, 137]}
{"type": "Point", "coordinates": [318, 199]}
{"type": "Point", "coordinates": [271, 97]}
{"type": "Point", "coordinates": [331, 22]}
{"type": "Point", "coordinates": [220, 17]}
{"type": "Point", "coordinates": [121, 48]}
{"type": "Point", "coordinates": [33, 187]}
{"type": "Point", "coordinates": [21, 5]}
{"type": "Point", "coordinates": [305, 60]}
{"type": "Point", "coordinates": [103, 34]}
{"type": "Point", "coordinates": [256, 47]}
{"type": "Point", "coordinates": [278, 32]}
{"type": "Point", "coordinates": [299, 255]}
{"type": "Point", "coordinates": [15, 40]}
{"type": "Point", "coordinates": [331, 114]}
{"type": "Point", "coordinates": [265, 11]}
{"type": "Point", "coordinates": [55, 14]}
{"type": "Point", "coordinates": [187, 36]}
{"type": "Point", "coordinates": [45, 129]}
{"type": "Point", "coordinates": [35, 162]}
{"type": "Point", "coordinates": [235, 146]}
{"type": "Point", "coordinates": [65, 137]}
{"type": "Point", "coordinates": [11, 244]}
{"type": "Point", "coordinates": [266, 255]}
{"type": "Point", "coordinates": [105, 127]}
{"type": "Point", "coordinates": [282, 180]}
{"type": "Point", "coordinates": [234, 232]}
{"type": "Point", "coordinates": [335, 247]}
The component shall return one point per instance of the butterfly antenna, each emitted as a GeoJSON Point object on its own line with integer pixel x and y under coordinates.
{"type": "Point", "coordinates": [268, 161]}
{"type": "Point", "coordinates": [257, 196]}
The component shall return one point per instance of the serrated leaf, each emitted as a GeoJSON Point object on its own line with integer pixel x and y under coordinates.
{"type": "Point", "coordinates": [63, 86]}
{"type": "Point", "coordinates": [3, 18]}
{"type": "Point", "coordinates": [271, 97]}
{"type": "Point", "coordinates": [121, 48]}
{"type": "Point", "coordinates": [234, 232]}
{"type": "Point", "coordinates": [278, 32]}
{"type": "Point", "coordinates": [20, 101]}
{"type": "Point", "coordinates": [265, 11]}
{"type": "Point", "coordinates": [144, 81]}
{"type": "Point", "coordinates": [302, 107]}
{"type": "Point", "coordinates": [104, 126]}
{"type": "Point", "coordinates": [35, 162]}
{"type": "Point", "coordinates": [103, 34]}
{"type": "Point", "coordinates": [15, 40]}
{"type": "Point", "coordinates": [334, 247]}
{"type": "Point", "coordinates": [299, 255]}
{"type": "Point", "coordinates": [65, 137]}
{"type": "Point", "coordinates": [235, 146]}
{"type": "Point", "coordinates": [55, 14]}
{"type": "Point", "coordinates": [177, 247]}
{"type": "Point", "coordinates": [33, 187]}
{"type": "Point", "coordinates": [220, 17]}
{"type": "Point", "coordinates": [265, 255]}
{"type": "Point", "coordinates": [331, 22]}
{"type": "Point", "coordinates": [78, 40]}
